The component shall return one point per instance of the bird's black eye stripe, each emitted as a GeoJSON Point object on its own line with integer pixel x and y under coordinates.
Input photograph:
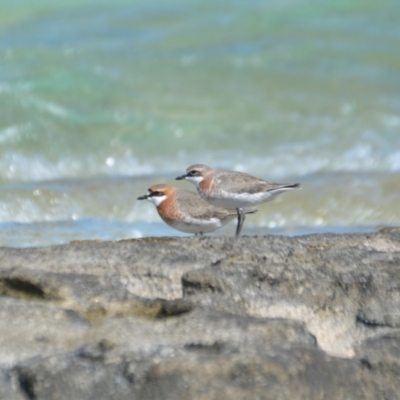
{"type": "Point", "coordinates": [193, 173]}
{"type": "Point", "coordinates": [155, 194]}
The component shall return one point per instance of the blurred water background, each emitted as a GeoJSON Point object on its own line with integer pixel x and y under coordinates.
{"type": "Point", "coordinates": [100, 99]}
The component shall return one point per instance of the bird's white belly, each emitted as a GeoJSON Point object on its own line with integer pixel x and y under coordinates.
{"type": "Point", "coordinates": [234, 200]}
{"type": "Point", "coordinates": [193, 225]}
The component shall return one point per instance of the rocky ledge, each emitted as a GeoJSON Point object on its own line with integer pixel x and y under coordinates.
{"type": "Point", "coordinates": [312, 317]}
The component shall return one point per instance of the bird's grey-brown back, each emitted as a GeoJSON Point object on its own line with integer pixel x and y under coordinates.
{"type": "Point", "coordinates": [232, 181]}
{"type": "Point", "coordinates": [240, 182]}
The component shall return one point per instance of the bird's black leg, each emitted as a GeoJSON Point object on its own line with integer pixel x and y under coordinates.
{"type": "Point", "coordinates": [241, 217]}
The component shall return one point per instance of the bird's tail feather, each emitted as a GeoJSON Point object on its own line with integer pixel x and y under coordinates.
{"type": "Point", "coordinates": [284, 188]}
{"type": "Point", "coordinates": [250, 211]}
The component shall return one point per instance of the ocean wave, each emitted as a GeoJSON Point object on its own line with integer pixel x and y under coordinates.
{"type": "Point", "coordinates": [284, 161]}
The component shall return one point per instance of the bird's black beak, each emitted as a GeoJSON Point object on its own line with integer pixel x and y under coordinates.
{"type": "Point", "coordinates": [144, 197]}
{"type": "Point", "coordinates": [179, 178]}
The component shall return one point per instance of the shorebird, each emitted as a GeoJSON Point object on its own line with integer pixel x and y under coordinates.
{"type": "Point", "coordinates": [186, 211]}
{"type": "Point", "coordinates": [232, 189]}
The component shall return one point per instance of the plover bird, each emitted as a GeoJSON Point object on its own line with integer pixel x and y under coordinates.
{"type": "Point", "coordinates": [224, 188]}
{"type": "Point", "coordinates": [186, 211]}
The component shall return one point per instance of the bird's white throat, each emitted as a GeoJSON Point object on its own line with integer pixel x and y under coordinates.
{"type": "Point", "coordinates": [156, 200]}
{"type": "Point", "coordinates": [195, 180]}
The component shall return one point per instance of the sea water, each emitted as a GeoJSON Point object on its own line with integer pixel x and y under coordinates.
{"type": "Point", "coordinates": [99, 100]}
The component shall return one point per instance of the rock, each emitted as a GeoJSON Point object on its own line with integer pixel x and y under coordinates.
{"type": "Point", "coordinates": [119, 356]}
{"type": "Point", "coordinates": [382, 356]}
{"type": "Point", "coordinates": [271, 317]}
{"type": "Point", "coordinates": [128, 264]}
{"type": "Point", "coordinates": [9, 387]}
{"type": "Point", "coordinates": [296, 374]}
{"type": "Point", "coordinates": [29, 329]}
{"type": "Point", "coordinates": [332, 288]}
{"type": "Point", "coordinates": [70, 377]}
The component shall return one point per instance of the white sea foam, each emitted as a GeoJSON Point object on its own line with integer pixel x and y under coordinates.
{"type": "Point", "coordinates": [17, 166]}
{"type": "Point", "coordinates": [10, 133]}
{"type": "Point", "coordinates": [298, 159]}
{"type": "Point", "coordinates": [47, 106]}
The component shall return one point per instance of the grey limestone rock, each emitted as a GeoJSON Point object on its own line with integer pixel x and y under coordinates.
{"type": "Point", "coordinates": [312, 317]}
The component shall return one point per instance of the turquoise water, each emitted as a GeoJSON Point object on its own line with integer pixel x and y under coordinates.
{"type": "Point", "coordinates": [99, 101]}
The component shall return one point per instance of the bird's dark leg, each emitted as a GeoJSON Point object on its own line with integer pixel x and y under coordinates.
{"type": "Point", "coordinates": [241, 217]}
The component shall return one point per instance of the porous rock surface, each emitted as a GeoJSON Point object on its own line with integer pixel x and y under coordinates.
{"type": "Point", "coordinates": [311, 317]}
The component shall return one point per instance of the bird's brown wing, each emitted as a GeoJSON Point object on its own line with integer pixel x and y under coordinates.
{"type": "Point", "coordinates": [192, 204]}
{"type": "Point", "coordinates": [240, 182]}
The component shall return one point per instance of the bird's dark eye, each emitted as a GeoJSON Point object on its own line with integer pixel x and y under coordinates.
{"type": "Point", "coordinates": [156, 194]}
{"type": "Point", "coordinates": [193, 173]}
